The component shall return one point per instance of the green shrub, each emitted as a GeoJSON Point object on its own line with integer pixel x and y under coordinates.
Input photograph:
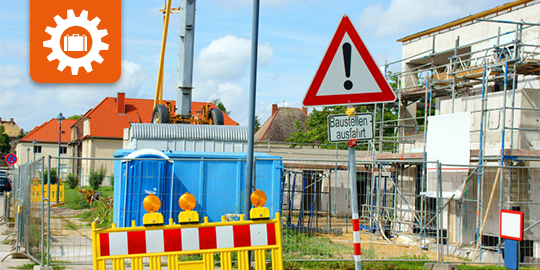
{"type": "Point", "coordinates": [76, 200]}
{"type": "Point", "coordinates": [96, 177]}
{"type": "Point", "coordinates": [102, 210]}
{"type": "Point", "coordinates": [72, 180]}
{"type": "Point", "coordinates": [111, 179]}
{"type": "Point", "coordinates": [54, 176]}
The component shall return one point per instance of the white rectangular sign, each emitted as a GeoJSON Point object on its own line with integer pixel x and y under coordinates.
{"type": "Point", "coordinates": [342, 128]}
{"type": "Point", "coordinates": [511, 225]}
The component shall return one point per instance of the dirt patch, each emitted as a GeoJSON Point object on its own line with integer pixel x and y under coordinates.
{"type": "Point", "coordinates": [64, 222]}
{"type": "Point", "coordinates": [395, 248]}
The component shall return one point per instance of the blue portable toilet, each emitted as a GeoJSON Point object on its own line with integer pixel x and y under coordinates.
{"type": "Point", "coordinates": [217, 180]}
{"type": "Point", "coordinates": [135, 179]}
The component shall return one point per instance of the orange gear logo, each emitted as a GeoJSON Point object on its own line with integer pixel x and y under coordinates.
{"type": "Point", "coordinates": [75, 41]}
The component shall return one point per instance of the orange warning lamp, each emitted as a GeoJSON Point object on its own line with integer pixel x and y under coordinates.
{"type": "Point", "coordinates": [188, 202]}
{"type": "Point", "coordinates": [151, 204]}
{"type": "Point", "coordinates": [258, 199]}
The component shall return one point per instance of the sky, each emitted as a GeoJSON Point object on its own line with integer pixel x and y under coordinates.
{"type": "Point", "coordinates": [293, 38]}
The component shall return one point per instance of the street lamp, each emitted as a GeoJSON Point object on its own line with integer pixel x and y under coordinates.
{"type": "Point", "coordinates": [60, 117]}
{"type": "Point", "coordinates": [34, 142]}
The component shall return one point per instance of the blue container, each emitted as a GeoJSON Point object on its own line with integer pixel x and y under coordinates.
{"type": "Point", "coordinates": [217, 180]}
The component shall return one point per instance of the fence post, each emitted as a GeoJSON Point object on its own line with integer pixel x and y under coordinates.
{"type": "Point", "coordinates": [49, 213]}
{"type": "Point", "coordinates": [440, 255]}
{"type": "Point", "coordinates": [42, 212]}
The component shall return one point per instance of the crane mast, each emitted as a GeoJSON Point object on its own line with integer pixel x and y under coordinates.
{"type": "Point", "coordinates": [185, 57]}
{"type": "Point", "coordinates": [166, 113]}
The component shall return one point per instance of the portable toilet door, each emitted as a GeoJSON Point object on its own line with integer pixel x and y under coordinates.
{"type": "Point", "coordinates": [145, 171]}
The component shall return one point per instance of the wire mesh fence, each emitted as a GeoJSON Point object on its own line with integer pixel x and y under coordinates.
{"type": "Point", "coordinates": [408, 209]}
{"type": "Point", "coordinates": [29, 216]}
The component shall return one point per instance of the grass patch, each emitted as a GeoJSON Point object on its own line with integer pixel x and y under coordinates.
{"type": "Point", "coordinates": [101, 210]}
{"type": "Point", "coordinates": [31, 266]}
{"type": "Point", "coordinates": [367, 265]}
{"type": "Point", "coordinates": [297, 245]}
{"type": "Point", "coordinates": [70, 225]}
{"type": "Point", "coordinates": [76, 201]}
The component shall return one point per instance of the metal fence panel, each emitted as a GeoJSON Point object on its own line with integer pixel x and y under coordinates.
{"type": "Point", "coordinates": [399, 217]}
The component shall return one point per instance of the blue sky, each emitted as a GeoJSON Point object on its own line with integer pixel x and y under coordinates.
{"type": "Point", "coordinates": [293, 36]}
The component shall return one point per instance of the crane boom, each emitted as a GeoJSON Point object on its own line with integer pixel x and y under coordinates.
{"type": "Point", "coordinates": [159, 85]}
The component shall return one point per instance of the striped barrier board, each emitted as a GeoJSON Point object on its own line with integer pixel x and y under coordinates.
{"type": "Point", "coordinates": [170, 241]}
{"type": "Point", "coordinates": [35, 192]}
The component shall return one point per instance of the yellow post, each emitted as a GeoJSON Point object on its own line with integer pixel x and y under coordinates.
{"type": "Point", "coordinates": [277, 255]}
{"type": "Point", "coordinates": [208, 259]}
{"type": "Point", "coordinates": [226, 261]}
{"type": "Point", "coordinates": [155, 263]}
{"type": "Point", "coordinates": [260, 260]}
{"type": "Point", "coordinates": [243, 260]}
{"type": "Point", "coordinates": [172, 262]}
{"type": "Point", "coordinates": [95, 245]}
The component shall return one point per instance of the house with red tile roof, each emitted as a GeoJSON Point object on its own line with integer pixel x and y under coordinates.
{"type": "Point", "coordinates": [12, 130]}
{"type": "Point", "coordinates": [100, 131]}
{"type": "Point", "coordinates": [280, 124]}
{"type": "Point", "coordinates": [46, 143]}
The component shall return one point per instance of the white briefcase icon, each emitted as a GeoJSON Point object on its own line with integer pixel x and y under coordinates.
{"type": "Point", "coordinates": [75, 43]}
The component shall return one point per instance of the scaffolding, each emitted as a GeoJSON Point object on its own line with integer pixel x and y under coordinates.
{"type": "Point", "coordinates": [503, 81]}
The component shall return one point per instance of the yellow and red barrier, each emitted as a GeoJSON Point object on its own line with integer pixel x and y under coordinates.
{"type": "Point", "coordinates": [157, 242]}
{"type": "Point", "coordinates": [36, 193]}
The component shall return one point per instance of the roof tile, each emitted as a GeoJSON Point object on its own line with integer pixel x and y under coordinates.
{"type": "Point", "coordinates": [106, 122]}
{"type": "Point", "coordinates": [48, 132]}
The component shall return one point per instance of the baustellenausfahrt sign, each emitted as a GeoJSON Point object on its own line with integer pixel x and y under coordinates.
{"type": "Point", "coordinates": [342, 128]}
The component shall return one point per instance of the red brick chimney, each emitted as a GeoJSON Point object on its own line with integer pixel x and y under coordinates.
{"type": "Point", "coordinates": [304, 109]}
{"type": "Point", "coordinates": [274, 108]}
{"type": "Point", "coordinates": [121, 102]}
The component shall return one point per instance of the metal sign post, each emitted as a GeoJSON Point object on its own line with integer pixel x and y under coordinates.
{"type": "Point", "coordinates": [349, 75]}
{"type": "Point", "coordinates": [354, 205]}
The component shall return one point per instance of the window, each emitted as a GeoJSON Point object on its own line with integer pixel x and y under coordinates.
{"type": "Point", "coordinates": [63, 150]}
{"type": "Point", "coordinates": [37, 149]}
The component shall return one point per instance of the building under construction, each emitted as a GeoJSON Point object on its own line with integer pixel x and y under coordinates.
{"type": "Point", "coordinates": [478, 74]}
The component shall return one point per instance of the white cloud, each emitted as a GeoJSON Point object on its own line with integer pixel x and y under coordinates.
{"type": "Point", "coordinates": [228, 58]}
{"type": "Point", "coordinates": [233, 96]}
{"type": "Point", "coordinates": [402, 16]}
{"type": "Point", "coordinates": [32, 104]}
{"type": "Point", "coordinates": [11, 77]}
{"type": "Point", "coordinates": [19, 51]}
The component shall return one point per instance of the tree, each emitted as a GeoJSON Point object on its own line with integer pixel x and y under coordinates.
{"type": "Point", "coordinates": [257, 123]}
{"type": "Point", "coordinates": [5, 146]}
{"type": "Point", "coordinates": [315, 129]}
{"type": "Point", "coordinates": [21, 134]}
{"type": "Point", "coordinates": [220, 105]}
{"type": "Point", "coordinates": [75, 116]}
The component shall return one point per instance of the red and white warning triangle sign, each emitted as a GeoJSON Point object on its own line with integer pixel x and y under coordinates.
{"type": "Point", "coordinates": [347, 74]}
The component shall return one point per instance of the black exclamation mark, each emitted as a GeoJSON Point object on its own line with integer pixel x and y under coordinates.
{"type": "Point", "coordinates": [347, 61]}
